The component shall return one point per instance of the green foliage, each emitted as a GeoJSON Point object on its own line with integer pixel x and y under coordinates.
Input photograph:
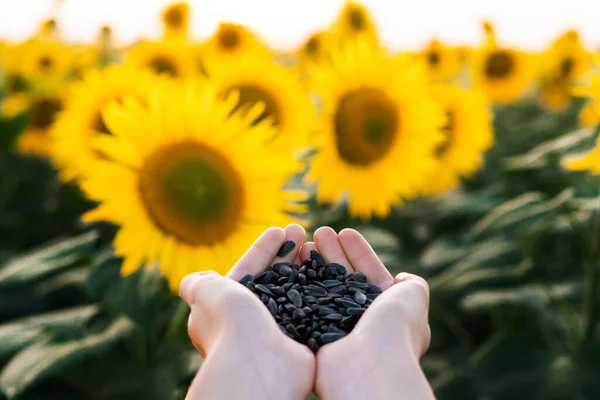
{"type": "Point", "coordinates": [511, 258]}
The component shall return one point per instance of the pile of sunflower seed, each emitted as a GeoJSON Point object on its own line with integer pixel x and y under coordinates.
{"type": "Point", "coordinates": [314, 303]}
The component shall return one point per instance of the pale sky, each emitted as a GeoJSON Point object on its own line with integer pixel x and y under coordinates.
{"type": "Point", "coordinates": [403, 24]}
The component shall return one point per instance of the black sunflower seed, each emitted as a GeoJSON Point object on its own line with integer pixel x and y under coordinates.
{"type": "Point", "coordinates": [333, 317]}
{"type": "Point", "coordinates": [324, 300]}
{"type": "Point", "coordinates": [285, 270]}
{"type": "Point", "coordinates": [355, 311]}
{"type": "Point", "coordinates": [287, 286]}
{"type": "Point", "coordinates": [251, 286]}
{"type": "Point", "coordinates": [345, 303]}
{"type": "Point", "coordinates": [293, 276]}
{"type": "Point", "coordinates": [374, 289]}
{"type": "Point", "coordinates": [331, 283]}
{"type": "Point", "coordinates": [289, 308]}
{"type": "Point", "coordinates": [315, 256]}
{"type": "Point", "coordinates": [360, 298]}
{"type": "Point", "coordinates": [324, 310]}
{"type": "Point", "coordinates": [311, 299]}
{"type": "Point", "coordinates": [311, 274]}
{"type": "Point", "coordinates": [278, 290]}
{"type": "Point", "coordinates": [330, 337]}
{"type": "Point", "coordinates": [281, 280]}
{"type": "Point", "coordinates": [340, 269]}
{"type": "Point", "coordinates": [263, 289]}
{"type": "Point", "coordinates": [292, 329]}
{"type": "Point", "coordinates": [272, 306]}
{"type": "Point", "coordinates": [286, 248]}
{"type": "Point", "coordinates": [312, 344]}
{"type": "Point", "coordinates": [360, 277]}
{"type": "Point", "coordinates": [246, 279]}
{"type": "Point", "coordinates": [334, 329]}
{"type": "Point", "coordinates": [281, 299]}
{"type": "Point", "coordinates": [295, 297]}
{"type": "Point", "coordinates": [338, 290]}
{"type": "Point", "coordinates": [299, 314]}
{"type": "Point", "coordinates": [307, 310]}
{"type": "Point", "coordinates": [358, 285]}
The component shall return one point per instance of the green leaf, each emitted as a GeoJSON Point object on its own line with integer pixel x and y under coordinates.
{"type": "Point", "coordinates": [17, 334]}
{"type": "Point", "coordinates": [48, 358]}
{"type": "Point", "coordinates": [138, 295]}
{"type": "Point", "coordinates": [10, 130]}
{"type": "Point", "coordinates": [47, 260]}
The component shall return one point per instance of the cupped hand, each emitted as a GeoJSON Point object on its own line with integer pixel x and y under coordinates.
{"type": "Point", "coordinates": [380, 357]}
{"type": "Point", "coordinates": [246, 353]}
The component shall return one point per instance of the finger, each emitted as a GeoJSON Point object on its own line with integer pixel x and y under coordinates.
{"type": "Point", "coordinates": [188, 286]}
{"type": "Point", "coordinates": [305, 250]}
{"type": "Point", "coordinates": [260, 254]}
{"type": "Point", "coordinates": [330, 248]}
{"type": "Point", "coordinates": [296, 234]}
{"type": "Point", "coordinates": [363, 258]}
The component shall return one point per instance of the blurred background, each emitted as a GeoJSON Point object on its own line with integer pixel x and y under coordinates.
{"type": "Point", "coordinates": [143, 141]}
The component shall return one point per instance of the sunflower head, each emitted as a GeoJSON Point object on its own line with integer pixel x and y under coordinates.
{"type": "Point", "coordinates": [43, 109]}
{"type": "Point", "coordinates": [467, 134]}
{"type": "Point", "coordinates": [286, 104]}
{"type": "Point", "coordinates": [82, 120]}
{"type": "Point", "coordinates": [441, 61]}
{"type": "Point", "coordinates": [196, 193]}
{"type": "Point", "coordinates": [566, 60]}
{"type": "Point", "coordinates": [354, 20]}
{"type": "Point", "coordinates": [46, 61]}
{"type": "Point", "coordinates": [376, 132]}
{"type": "Point", "coordinates": [502, 73]}
{"type": "Point", "coordinates": [176, 19]}
{"type": "Point", "coordinates": [174, 60]}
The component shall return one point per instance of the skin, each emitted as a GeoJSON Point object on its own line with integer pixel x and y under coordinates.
{"type": "Point", "coordinates": [379, 357]}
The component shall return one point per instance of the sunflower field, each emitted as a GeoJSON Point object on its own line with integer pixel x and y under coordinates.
{"type": "Point", "coordinates": [122, 170]}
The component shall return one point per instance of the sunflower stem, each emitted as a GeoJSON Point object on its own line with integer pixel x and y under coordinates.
{"type": "Point", "coordinates": [179, 319]}
{"type": "Point", "coordinates": [590, 306]}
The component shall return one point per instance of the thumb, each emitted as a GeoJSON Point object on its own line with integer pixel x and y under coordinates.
{"type": "Point", "coordinates": [193, 285]}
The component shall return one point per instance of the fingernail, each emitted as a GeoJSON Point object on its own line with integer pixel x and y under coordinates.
{"type": "Point", "coordinates": [401, 277]}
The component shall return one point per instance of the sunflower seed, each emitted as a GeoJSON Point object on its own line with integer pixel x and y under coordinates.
{"type": "Point", "coordinates": [287, 286]}
{"type": "Point", "coordinates": [301, 278]}
{"type": "Point", "coordinates": [315, 256]}
{"type": "Point", "coordinates": [295, 297]}
{"type": "Point", "coordinates": [310, 299]}
{"type": "Point", "coordinates": [272, 306]}
{"type": "Point", "coordinates": [263, 289]}
{"type": "Point", "coordinates": [324, 300]}
{"type": "Point", "coordinates": [331, 283]}
{"type": "Point", "coordinates": [333, 329]}
{"type": "Point", "coordinates": [338, 290]}
{"type": "Point", "coordinates": [341, 278]}
{"type": "Point", "coordinates": [374, 288]}
{"type": "Point", "coordinates": [286, 248]}
{"type": "Point", "coordinates": [278, 291]}
{"type": "Point", "coordinates": [330, 337]}
{"type": "Point", "coordinates": [311, 273]}
{"type": "Point", "coordinates": [345, 303]}
{"type": "Point", "coordinates": [289, 308]}
{"type": "Point", "coordinates": [355, 311]}
{"type": "Point", "coordinates": [333, 317]}
{"type": "Point", "coordinates": [360, 298]}
{"type": "Point", "coordinates": [299, 314]}
{"type": "Point", "coordinates": [359, 285]}
{"type": "Point", "coordinates": [324, 310]}
{"type": "Point", "coordinates": [281, 299]}
{"type": "Point", "coordinates": [312, 344]}
{"type": "Point", "coordinates": [285, 270]}
{"type": "Point", "coordinates": [293, 276]}
{"type": "Point", "coordinates": [291, 329]}
{"type": "Point", "coordinates": [307, 310]}
{"type": "Point", "coordinates": [264, 298]}
{"type": "Point", "coordinates": [316, 334]}
{"type": "Point", "coordinates": [246, 279]}
{"type": "Point", "coordinates": [251, 286]}
{"type": "Point", "coordinates": [341, 270]}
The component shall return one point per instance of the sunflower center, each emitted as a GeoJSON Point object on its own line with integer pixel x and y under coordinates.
{"type": "Point", "coordinates": [312, 46]}
{"type": "Point", "coordinates": [433, 58]}
{"type": "Point", "coordinates": [43, 112]}
{"type": "Point", "coordinates": [356, 19]}
{"type": "Point", "coordinates": [191, 192]}
{"type": "Point", "coordinates": [499, 64]}
{"type": "Point", "coordinates": [250, 95]}
{"type": "Point", "coordinates": [366, 125]}
{"type": "Point", "coordinates": [566, 67]}
{"type": "Point", "coordinates": [229, 38]}
{"type": "Point", "coordinates": [15, 83]}
{"type": "Point", "coordinates": [163, 65]}
{"type": "Point", "coordinates": [45, 63]}
{"type": "Point", "coordinates": [174, 17]}
{"type": "Point", "coordinates": [448, 131]}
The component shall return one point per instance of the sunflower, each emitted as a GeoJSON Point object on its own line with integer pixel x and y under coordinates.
{"type": "Point", "coordinates": [377, 131]}
{"type": "Point", "coordinates": [442, 62]}
{"type": "Point", "coordinates": [43, 109]}
{"type": "Point", "coordinates": [232, 41]}
{"type": "Point", "coordinates": [501, 72]}
{"type": "Point", "coordinates": [314, 49]}
{"type": "Point", "coordinates": [163, 57]}
{"type": "Point", "coordinates": [259, 79]}
{"type": "Point", "coordinates": [13, 78]}
{"type": "Point", "coordinates": [468, 133]}
{"type": "Point", "coordinates": [45, 63]}
{"type": "Point", "coordinates": [81, 119]}
{"type": "Point", "coordinates": [565, 62]}
{"type": "Point", "coordinates": [354, 20]}
{"type": "Point", "coordinates": [190, 184]}
{"type": "Point", "coordinates": [176, 21]}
